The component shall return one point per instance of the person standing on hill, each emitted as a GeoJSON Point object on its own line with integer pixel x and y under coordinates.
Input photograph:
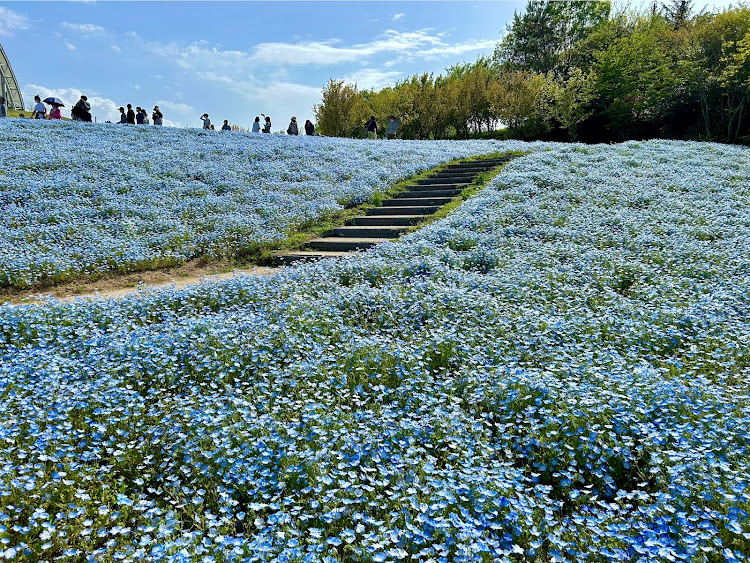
{"type": "Point", "coordinates": [372, 128]}
{"type": "Point", "coordinates": [82, 110]}
{"type": "Point", "coordinates": [3, 111]}
{"type": "Point", "coordinates": [390, 131]}
{"type": "Point", "coordinates": [206, 121]}
{"type": "Point", "coordinates": [267, 126]}
{"type": "Point", "coordinates": [256, 125]}
{"type": "Point", "coordinates": [55, 112]}
{"type": "Point", "coordinates": [123, 117]}
{"type": "Point", "coordinates": [292, 129]}
{"type": "Point", "coordinates": [139, 115]}
{"type": "Point", "coordinates": [157, 116]}
{"type": "Point", "coordinates": [309, 128]}
{"type": "Point", "coordinates": [40, 110]}
{"type": "Point", "coordinates": [130, 117]}
{"type": "Point", "coordinates": [226, 126]}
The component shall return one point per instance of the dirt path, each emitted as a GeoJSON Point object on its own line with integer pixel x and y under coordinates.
{"type": "Point", "coordinates": [177, 278]}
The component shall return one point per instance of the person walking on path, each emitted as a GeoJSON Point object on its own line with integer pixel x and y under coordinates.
{"type": "Point", "coordinates": [390, 131]}
{"type": "Point", "coordinates": [267, 126]}
{"type": "Point", "coordinates": [82, 110]}
{"type": "Point", "coordinates": [130, 115]}
{"type": "Point", "coordinates": [157, 116]}
{"type": "Point", "coordinates": [206, 121]}
{"type": "Point", "coordinates": [226, 126]}
{"type": "Point", "coordinates": [292, 129]}
{"type": "Point", "coordinates": [3, 110]}
{"type": "Point", "coordinates": [40, 110]}
{"type": "Point", "coordinates": [55, 112]}
{"type": "Point", "coordinates": [256, 125]}
{"type": "Point", "coordinates": [309, 128]}
{"type": "Point", "coordinates": [123, 117]}
{"type": "Point", "coordinates": [372, 128]}
{"type": "Point", "coordinates": [139, 115]}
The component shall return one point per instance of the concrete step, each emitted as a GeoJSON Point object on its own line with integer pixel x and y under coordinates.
{"type": "Point", "coordinates": [370, 231]}
{"type": "Point", "coordinates": [343, 244]}
{"type": "Point", "coordinates": [445, 180]}
{"type": "Point", "coordinates": [416, 201]}
{"type": "Point", "coordinates": [307, 256]}
{"type": "Point", "coordinates": [405, 210]}
{"type": "Point", "coordinates": [388, 220]}
{"type": "Point", "coordinates": [419, 187]}
{"type": "Point", "coordinates": [430, 193]}
{"type": "Point", "coordinates": [473, 163]}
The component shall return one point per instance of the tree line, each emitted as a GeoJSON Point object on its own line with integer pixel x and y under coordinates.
{"type": "Point", "coordinates": [577, 71]}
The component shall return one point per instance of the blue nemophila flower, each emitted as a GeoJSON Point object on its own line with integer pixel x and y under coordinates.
{"type": "Point", "coordinates": [557, 370]}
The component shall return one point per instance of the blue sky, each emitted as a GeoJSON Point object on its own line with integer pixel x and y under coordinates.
{"type": "Point", "coordinates": [235, 60]}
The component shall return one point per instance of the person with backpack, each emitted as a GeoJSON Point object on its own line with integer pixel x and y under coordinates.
{"type": "Point", "coordinates": [309, 128]}
{"type": "Point", "coordinates": [157, 116]}
{"type": "Point", "coordinates": [292, 129]}
{"type": "Point", "coordinates": [267, 126]}
{"type": "Point", "coordinates": [372, 128]}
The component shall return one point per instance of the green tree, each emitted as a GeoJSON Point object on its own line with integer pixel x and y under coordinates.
{"type": "Point", "coordinates": [522, 100]}
{"type": "Point", "coordinates": [341, 109]}
{"type": "Point", "coordinates": [638, 78]}
{"type": "Point", "coordinates": [540, 40]}
{"type": "Point", "coordinates": [572, 100]}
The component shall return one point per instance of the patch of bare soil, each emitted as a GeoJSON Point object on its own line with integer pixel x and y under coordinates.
{"type": "Point", "coordinates": [190, 273]}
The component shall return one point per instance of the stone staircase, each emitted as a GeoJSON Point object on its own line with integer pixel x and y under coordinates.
{"type": "Point", "coordinates": [397, 215]}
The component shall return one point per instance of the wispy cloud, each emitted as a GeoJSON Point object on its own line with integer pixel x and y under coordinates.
{"type": "Point", "coordinates": [165, 105]}
{"type": "Point", "coordinates": [11, 21]}
{"type": "Point", "coordinates": [333, 52]}
{"type": "Point", "coordinates": [115, 48]}
{"type": "Point", "coordinates": [372, 78]}
{"type": "Point", "coordinates": [411, 45]}
{"type": "Point", "coordinates": [70, 46]}
{"type": "Point", "coordinates": [397, 17]}
{"type": "Point", "coordinates": [83, 28]}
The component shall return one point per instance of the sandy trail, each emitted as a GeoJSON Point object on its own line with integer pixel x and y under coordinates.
{"type": "Point", "coordinates": [113, 293]}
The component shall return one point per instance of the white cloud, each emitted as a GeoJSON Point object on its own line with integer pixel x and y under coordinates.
{"type": "Point", "coordinates": [11, 21]}
{"type": "Point", "coordinates": [372, 78]}
{"type": "Point", "coordinates": [421, 44]}
{"type": "Point", "coordinates": [175, 107]}
{"type": "Point", "coordinates": [83, 28]}
{"type": "Point", "coordinates": [397, 17]}
{"type": "Point", "coordinates": [70, 46]}
{"type": "Point", "coordinates": [456, 49]}
{"type": "Point", "coordinates": [102, 108]}
{"type": "Point", "coordinates": [330, 52]}
{"type": "Point", "coordinates": [115, 48]}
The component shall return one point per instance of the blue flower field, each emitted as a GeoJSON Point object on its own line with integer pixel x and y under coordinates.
{"type": "Point", "coordinates": [91, 199]}
{"type": "Point", "coordinates": [557, 371]}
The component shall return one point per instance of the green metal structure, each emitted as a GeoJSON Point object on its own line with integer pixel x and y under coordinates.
{"type": "Point", "coordinates": [8, 85]}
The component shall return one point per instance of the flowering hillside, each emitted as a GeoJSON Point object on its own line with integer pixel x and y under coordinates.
{"type": "Point", "coordinates": [557, 371]}
{"type": "Point", "coordinates": [83, 198]}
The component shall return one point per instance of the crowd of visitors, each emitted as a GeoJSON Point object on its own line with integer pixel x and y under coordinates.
{"type": "Point", "coordinates": [82, 112]}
